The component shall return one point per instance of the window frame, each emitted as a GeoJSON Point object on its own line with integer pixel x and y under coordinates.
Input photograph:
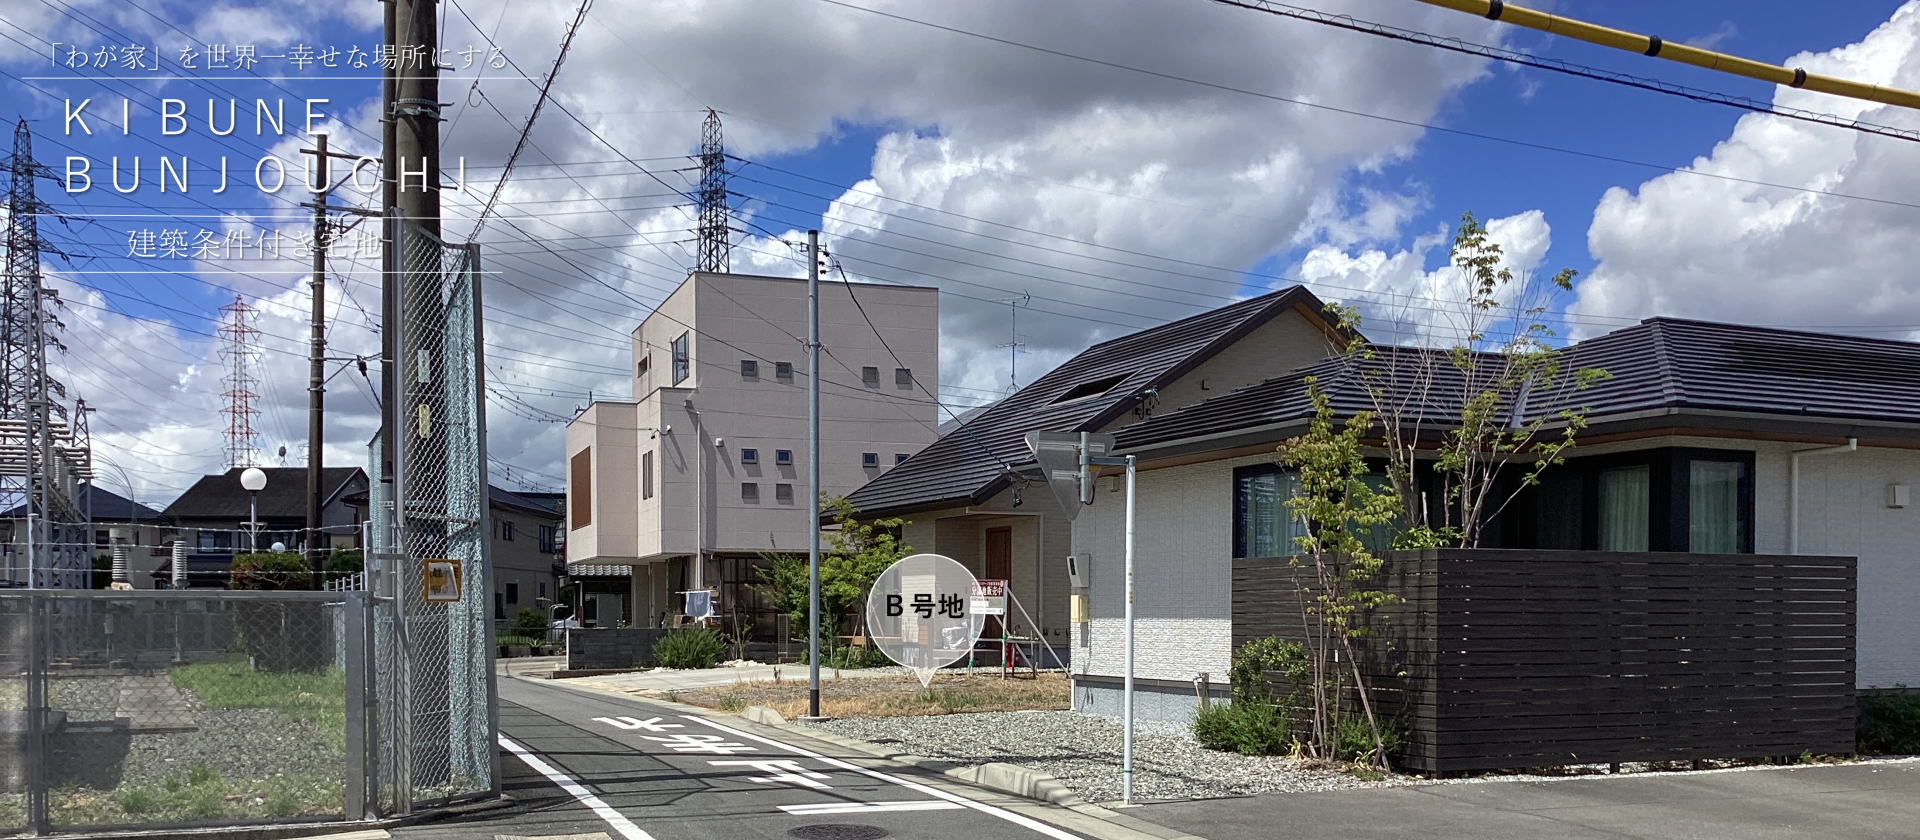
{"type": "Point", "coordinates": [900, 458]}
{"type": "Point", "coordinates": [506, 530]}
{"type": "Point", "coordinates": [513, 592]}
{"type": "Point", "coordinates": [580, 489]}
{"type": "Point", "coordinates": [750, 492]}
{"type": "Point", "coordinates": [682, 348]}
{"type": "Point", "coordinates": [646, 474]}
{"type": "Point", "coordinates": [903, 377]}
{"type": "Point", "coordinates": [1240, 476]}
{"type": "Point", "coordinates": [783, 457]}
{"type": "Point", "coordinates": [869, 460]}
{"type": "Point", "coordinates": [749, 369]}
{"type": "Point", "coordinates": [783, 371]}
{"type": "Point", "coordinates": [870, 376]}
{"type": "Point", "coordinates": [750, 455]}
{"type": "Point", "coordinates": [783, 493]}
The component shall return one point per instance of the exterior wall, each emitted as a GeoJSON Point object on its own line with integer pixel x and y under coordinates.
{"type": "Point", "coordinates": [1843, 510]}
{"type": "Point", "coordinates": [613, 531]}
{"type": "Point", "coordinates": [520, 561]}
{"type": "Point", "coordinates": [1041, 537]}
{"type": "Point", "coordinates": [1289, 341]}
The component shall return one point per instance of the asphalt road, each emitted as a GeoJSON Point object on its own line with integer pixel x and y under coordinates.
{"type": "Point", "coordinates": [578, 763]}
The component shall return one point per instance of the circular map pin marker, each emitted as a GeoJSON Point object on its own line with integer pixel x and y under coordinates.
{"type": "Point", "coordinates": [917, 613]}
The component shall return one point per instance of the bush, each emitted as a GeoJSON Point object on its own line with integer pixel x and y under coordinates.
{"type": "Point", "coordinates": [344, 562]}
{"type": "Point", "coordinates": [1353, 738]}
{"type": "Point", "coordinates": [1248, 728]}
{"type": "Point", "coordinates": [690, 647]}
{"type": "Point", "coordinates": [1890, 722]}
{"type": "Point", "coordinates": [529, 622]}
{"type": "Point", "coordinates": [852, 658]}
{"type": "Point", "coordinates": [270, 570]}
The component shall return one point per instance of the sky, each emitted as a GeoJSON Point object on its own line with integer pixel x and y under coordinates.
{"type": "Point", "coordinates": [1109, 164]}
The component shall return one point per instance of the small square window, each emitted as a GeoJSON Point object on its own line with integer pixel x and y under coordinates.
{"type": "Point", "coordinates": [513, 593]}
{"type": "Point", "coordinates": [749, 456]}
{"type": "Point", "coordinates": [870, 377]}
{"type": "Point", "coordinates": [903, 377]}
{"type": "Point", "coordinates": [783, 370]}
{"type": "Point", "coordinates": [783, 457]}
{"type": "Point", "coordinates": [640, 367]}
{"type": "Point", "coordinates": [750, 492]}
{"type": "Point", "coordinates": [749, 369]}
{"type": "Point", "coordinates": [783, 493]}
{"type": "Point", "coordinates": [899, 458]}
{"type": "Point", "coordinates": [870, 460]}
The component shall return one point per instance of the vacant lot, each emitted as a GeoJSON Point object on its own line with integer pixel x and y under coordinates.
{"type": "Point", "coordinates": [889, 696]}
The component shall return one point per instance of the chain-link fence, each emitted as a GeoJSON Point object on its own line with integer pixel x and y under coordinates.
{"type": "Point", "coordinates": [162, 709]}
{"type": "Point", "coordinates": [433, 639]}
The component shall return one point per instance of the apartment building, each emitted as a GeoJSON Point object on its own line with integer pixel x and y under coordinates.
{"type": "Point", "coordinates": [704, 470]}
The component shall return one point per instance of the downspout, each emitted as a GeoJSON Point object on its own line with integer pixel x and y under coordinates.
{"type": "Point", "coordinates": [1793, 488]}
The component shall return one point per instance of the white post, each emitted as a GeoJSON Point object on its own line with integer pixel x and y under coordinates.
{"type": "Point", "coordinates": [1126, 757]}
{"type": "Point", "coordinates": [179, 564]}
{"type": "Point", "coordinates": [813, 473]}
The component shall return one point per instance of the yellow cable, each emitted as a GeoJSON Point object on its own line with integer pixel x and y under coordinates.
{"type": "Point", "coordinates": [1652, 46]}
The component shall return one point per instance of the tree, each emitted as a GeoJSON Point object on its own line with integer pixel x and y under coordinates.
{"type": "Point", "coordinates": [1338, 511]}
{"type": "Point", "coordinates": [1482, 386]}
{"type": "Point", "coordinates": [852, 558]}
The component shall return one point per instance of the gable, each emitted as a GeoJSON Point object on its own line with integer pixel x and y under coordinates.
{"type": "Point", "coordinates": [1292, 340]}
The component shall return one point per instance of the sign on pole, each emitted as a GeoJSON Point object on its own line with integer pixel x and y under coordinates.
{"type": "Point", "coordinates": [1058, 454]}
{"type": "Point", "coordinates": [987, 597]}
{"type": "Point", "coordinates": [440, 580]}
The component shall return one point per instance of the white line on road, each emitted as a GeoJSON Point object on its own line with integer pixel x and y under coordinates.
{"type": "Point", "coordinates": [620, 823]}
{"type": "Point", "coordinates": [1009, 816]}
{"type": "Point", "coordinates": [869, 807]}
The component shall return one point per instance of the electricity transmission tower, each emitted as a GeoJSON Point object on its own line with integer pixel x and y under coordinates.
{"type": "Point", "coordinates": [238, 353]}
{"type": "Point", "coordinates": [41, 465]}
{"type": "Point", "coordinates": [714, 218]}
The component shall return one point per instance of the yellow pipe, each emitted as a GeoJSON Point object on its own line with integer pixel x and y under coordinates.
{"type": "Point", "coordinates": [1653, 46]}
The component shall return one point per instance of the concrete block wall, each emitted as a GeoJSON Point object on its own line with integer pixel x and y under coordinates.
{"type": "Point", "coordinates": [610, 648]}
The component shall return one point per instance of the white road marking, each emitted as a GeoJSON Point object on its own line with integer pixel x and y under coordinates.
{"type": "Point", "coordinates": [620, 823]}
{"type": "Point", "coordinates": [1009, 816]}
{"type": "Point", "coordinates": [691, 743]}
{"type": "Point", "coordinates": [869, 807]}
{"type": "Point", "coordinates": [650, 724]}
{"type": "Point", "coordinates": [780, 770]}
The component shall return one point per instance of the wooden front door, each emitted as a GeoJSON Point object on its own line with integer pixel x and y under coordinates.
{"type": "Point", "coordinates": [999, 567]}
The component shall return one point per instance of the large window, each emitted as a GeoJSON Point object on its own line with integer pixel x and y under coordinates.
{"type": "Point", "coordinates": [682, 359]}
{"type": "Point", "coordinates": [1263, 526]}
{"type": "Point", "coordinates": [1714, 515]}
{"type": "Point", "coordinates": [548, 545]}
{"type": "Point", "coordinates": [646, 475]}
{"type": "Point", "coordinates": [1625, 505]}
{"type": "Point", "coordinates": [580, 488]}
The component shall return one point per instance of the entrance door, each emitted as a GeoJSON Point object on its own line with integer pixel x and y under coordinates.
{"type": "Point", "coordinates": [999, 567]}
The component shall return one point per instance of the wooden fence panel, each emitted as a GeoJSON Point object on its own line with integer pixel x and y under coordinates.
{"type": "Point", "coordinates": [1511, 658]}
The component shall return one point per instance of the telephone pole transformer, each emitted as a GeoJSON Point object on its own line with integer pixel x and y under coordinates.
{"type": "Point", "coordinates": [715, 220]}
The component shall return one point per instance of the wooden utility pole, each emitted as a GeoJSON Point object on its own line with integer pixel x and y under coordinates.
{"type": "Point", "coordinates": [317, 366]}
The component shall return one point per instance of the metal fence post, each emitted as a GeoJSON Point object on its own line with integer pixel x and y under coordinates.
{"type": "Point", "coordinates": [353, 611]}
{"type": "Point", "coordinates": [37, 820]}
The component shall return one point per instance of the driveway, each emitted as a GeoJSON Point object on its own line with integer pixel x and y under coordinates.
{"type": "Point", "coordinates": [1857, 802]}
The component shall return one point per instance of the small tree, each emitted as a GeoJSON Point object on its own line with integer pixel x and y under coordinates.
{"type": "Point", "coordinates": [1483, 385]}
{"type": "Point", "coordinates": [1337, 511]}
{"type": "Point", "coordinates": [852, 557]}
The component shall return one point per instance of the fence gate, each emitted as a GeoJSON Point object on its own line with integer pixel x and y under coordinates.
{"type": "Point", "coordinates": [433, 639]}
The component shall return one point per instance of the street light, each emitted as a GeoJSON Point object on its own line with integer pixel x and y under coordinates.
{"type": "Point", "coordinates": [254, 480]}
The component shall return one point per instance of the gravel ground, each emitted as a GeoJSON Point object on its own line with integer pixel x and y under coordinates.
{"type": "Point", "coordinates": [1083, 752]}
{"type": "Point", "coordinates": [240, 743]}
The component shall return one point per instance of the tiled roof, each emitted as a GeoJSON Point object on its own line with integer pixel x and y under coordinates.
{"type": "Point", "coordinates": [107, 506]}
{"type": "Point", "coordinates": [966, 465]}
{"type": "Point", "coordinates": [221, 496]}
{"type": "Point", "coordinates": [1657, 368]}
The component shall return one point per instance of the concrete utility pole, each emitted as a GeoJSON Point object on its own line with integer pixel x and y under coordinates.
{"type": "Point", "coordinates": [317, 365]}
{"type": "Point", "coordinates": [813, 473]}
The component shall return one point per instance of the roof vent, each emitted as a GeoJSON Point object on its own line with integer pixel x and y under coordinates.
{"type": "Point", "coordinates": [1090, 388]}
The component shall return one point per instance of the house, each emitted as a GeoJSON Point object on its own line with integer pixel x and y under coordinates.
{"type": "Point", "coordinates": [1707, 438]}
{"type": "Point", "coordinates": [705, 469]}
{"type": "Point", "coordinates": [526, 549]}
{"type": "Point", "coordinates": [961, 494]}
{"type": "Point", "coordinates": [142, 527]}
{"type": "Point", "coordinates": [217, 516]}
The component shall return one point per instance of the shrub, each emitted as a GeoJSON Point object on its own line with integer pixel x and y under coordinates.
{"type": "Point", "coordinates": [529, 622]}
{"type": "Point", "coordinates": [1890, 722]}
{"type": "Point", "coordinates": [689, 647]}
{"type": "Point", "coordinates": [344, 562]}
{"type": "Point", "coordinates": [270, 570]}
{"type": "Point", "coordinates": [1246, 727]}
{"type": "Point", "coordinates": [1353, 738]}
{"type": "Point", "coordinates": [852, 658]}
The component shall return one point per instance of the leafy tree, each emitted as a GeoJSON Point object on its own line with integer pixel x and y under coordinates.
{"type": "Point", "coordinates": [270, 570]}
{"type": "Point", "coordinates": [852, 557]}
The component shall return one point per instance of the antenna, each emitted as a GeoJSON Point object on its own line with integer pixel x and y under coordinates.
{"type": "Point", "coordinates": [1014, 343]}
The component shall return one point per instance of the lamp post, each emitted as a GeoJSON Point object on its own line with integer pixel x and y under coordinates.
{"type": "Point", "coordinates": [253, 480]}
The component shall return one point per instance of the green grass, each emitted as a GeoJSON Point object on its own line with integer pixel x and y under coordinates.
{"type": "Point", "coordinates": [199, 794]}
{"type": "Point", "coordinates": [318, 698]}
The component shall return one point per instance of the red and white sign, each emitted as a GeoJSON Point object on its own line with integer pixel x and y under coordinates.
{"type": "Point", "coordinates": [987, 597]}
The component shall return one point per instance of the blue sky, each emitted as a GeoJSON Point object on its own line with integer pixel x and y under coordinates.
{"type": "Point", "coordinates": [1102, 192]}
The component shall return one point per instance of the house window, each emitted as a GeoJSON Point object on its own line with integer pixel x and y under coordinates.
{"type": "Point", "coordinates": [1714, 509]}
{"type": "Point", "coordinates": [499, 607]}
{"type": "Point", "coordinates": [749, 369]}
{"type": "Point", "coordinates": [547, 544]}
{"type": "Point", "coordinates": [783, 493]}
{"type": "Point", "coordinates": [783, 457]}
{"type": "Point", "coordinates": [1263, 526]}
{"type": "Point", "coordinates": [870, 377]}
{"type": "Point", "coordinates": [211, 540]}
{"type": "Point", "coordinates": [543, 589]}
{"type": "Point", "coordinates": [750, 492]}
{"type": "Point", "coordinates": [1090, 388]}
{"type": "Point", "coordinates": [903, 377]}
{"type": "Point", "coordinates": [749, 456]}
{"type": "Point", "coordinates": [870, 460]}
{"type": "Point", "coordinates": [580, 488]}
{"type": "Point", "coordinates": [1625, 502]}
{"type": "Point", "coordinates": [506, 530]}
{"type": "Point", "coordinates": [513, 593]}
{"type": "Point", "coordinates": [682, 359]}
{"type": "Point", "coordinates": [899, 458]}
{"type": "Point", "coordinates": [102, 539]}
{"type": "Point", "coordinates": [1559, 509]}
{"type": "Point", "coordinates": [783, 371]}
{"type": "Point", "coordinates": [640, 367]}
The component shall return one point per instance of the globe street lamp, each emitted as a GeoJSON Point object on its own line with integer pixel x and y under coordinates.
{"type": "Point", "coordinates": [254, 480]}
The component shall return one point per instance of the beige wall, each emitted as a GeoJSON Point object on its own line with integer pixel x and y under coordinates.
{"type": "Point", "coordinates": [605, 428]}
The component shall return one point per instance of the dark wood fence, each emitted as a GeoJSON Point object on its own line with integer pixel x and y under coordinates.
{"type": "Point", "coordinates": [1507, 659]}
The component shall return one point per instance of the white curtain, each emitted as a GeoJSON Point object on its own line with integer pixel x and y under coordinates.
{"type": "Point", "coordinates": [1713, 498]}
{"type": "Point", "coordinates": [1624, 503]}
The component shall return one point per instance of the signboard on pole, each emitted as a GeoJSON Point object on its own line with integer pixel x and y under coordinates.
{"type": "Point", "coordinates": [987, 597]}
{"type": "Point", "coordinates": [1058, 454]}
{"type": "Point", "coordinates": [440, 580]}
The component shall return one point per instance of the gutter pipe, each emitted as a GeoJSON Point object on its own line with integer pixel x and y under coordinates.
{"type": "Point", "coordinates": [1793, 488]}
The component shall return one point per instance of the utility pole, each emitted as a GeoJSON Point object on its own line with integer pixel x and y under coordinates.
{"type": "Point", "coordinates": [813, 473]}
{"type": "Point", "coordinates": [317, 364]}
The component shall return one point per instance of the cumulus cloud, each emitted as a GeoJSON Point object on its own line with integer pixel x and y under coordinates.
{"type": "Point", "coordinates": [1692, 246]}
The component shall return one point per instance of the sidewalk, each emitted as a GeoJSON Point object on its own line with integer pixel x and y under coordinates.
{"type": "Point", "coordinates": [662, 682]}
{"type": "Point", "coordinates": [1856, 801]}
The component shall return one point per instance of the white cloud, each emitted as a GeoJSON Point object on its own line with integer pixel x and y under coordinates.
{"type": "Point", "coordinates": [1692, 246]}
